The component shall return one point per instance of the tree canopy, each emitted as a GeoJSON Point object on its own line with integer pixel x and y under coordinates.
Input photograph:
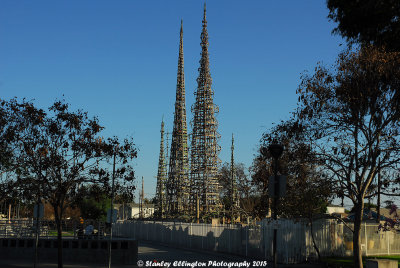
{"type": "Point", "coordinates": [55, 152]}
{"type": "Point", "coordinates": [367, 22]}
{"type": "Point", "coordinates": [351, 115]}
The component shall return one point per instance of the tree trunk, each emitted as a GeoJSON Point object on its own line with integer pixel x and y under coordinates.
{"type": "Point", "coordinates": [313, 240]}
{"type": "Point", "coordinates": [58, 217]}
{"type": "Point", "coordinates": [358, 215]}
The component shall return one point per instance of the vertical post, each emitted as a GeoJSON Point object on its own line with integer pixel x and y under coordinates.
{"type": "Point", "coordinates": [202, 235]}
{"type": "Point", "coordinates": [37, 233]}
{"type": "Point", "coordinates": [74, 226]}
{"type": "Point", "coordinates": [230, 242]}
{"type": "Point", "coordinates": [264, 234]}
{"type": "Point", "coordinates": [111, 212]}
{"type": "Point", "coordinates": [388, 244]}
{"type": "Point", "coordinates": [276, 190]}
{"type": "Point", "coordinates": [366, 240]}
{"type": "Point", "coordinates": [197, 208]}
{"type": "Point", "coordinates": [247, 234]}
{"type": "Point", "coordinates": [98, 230]}
{"type": "Point", "coordinates": [9, 213]}
{"type": "Point", "coordinates": [141, 210]}
{"type": "Point", "coordinates": [378, 209]}
{"type": "Point", "coordinates": [276, 151]}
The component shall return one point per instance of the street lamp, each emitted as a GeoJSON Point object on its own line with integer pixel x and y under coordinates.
{"type": "Point", "coordinates": [276, 151]}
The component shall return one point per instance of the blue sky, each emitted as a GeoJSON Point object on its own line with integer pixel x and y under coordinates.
{"type": "Point", "coordinates": [118, 61]}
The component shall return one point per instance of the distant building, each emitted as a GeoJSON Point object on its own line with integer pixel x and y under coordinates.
{"type": "Point", "coordinates": [132, 211]}
{"type": "Point", "coordinates": [335, 209]}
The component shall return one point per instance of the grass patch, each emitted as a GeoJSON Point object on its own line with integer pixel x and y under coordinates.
{"type": "Point", "coordinates": [54, 233]}
{"type": "Point", "coordinates": [345, 262]}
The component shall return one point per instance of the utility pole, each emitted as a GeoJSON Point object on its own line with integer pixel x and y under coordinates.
{"type": "Point", "coordinates": [37, 232]}
{"type": "Point", "coordinates": [378, 209]}
{"type": "Point", "coordinates": [233, 184]}
{"type": "Point", "coordinates": [111, 211]}
{"type": "Point", "coordinates": [142, 201]}
{"type": "Point", "coordinates": [197, 208]}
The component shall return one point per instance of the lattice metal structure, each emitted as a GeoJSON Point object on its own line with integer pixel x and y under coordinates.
{"type": "Point", "coordinates": [161, 179]}
{"type": "Point", "coordinates": [233, 187]}
{"type": "Point", "coordinates": [204, 147]}
{"type": "Point", "coordinates": [177, 185]}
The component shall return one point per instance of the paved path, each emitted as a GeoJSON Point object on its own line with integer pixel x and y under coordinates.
{"type": "Point", "coordinates": [149, 253]}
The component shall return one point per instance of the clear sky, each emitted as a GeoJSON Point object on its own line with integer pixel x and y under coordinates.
{"type": "Point", "coordinates": [118, 61]}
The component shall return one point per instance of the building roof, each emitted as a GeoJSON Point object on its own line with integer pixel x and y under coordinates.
{"type": "Point", "coordinates": [133, 205]}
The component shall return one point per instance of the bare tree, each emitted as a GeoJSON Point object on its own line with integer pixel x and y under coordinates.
{"type": "Point", "coordinates": [352, 117]}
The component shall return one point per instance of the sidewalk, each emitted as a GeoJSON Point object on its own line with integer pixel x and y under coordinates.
{"type": "Point", "coordinates": [152, 252]}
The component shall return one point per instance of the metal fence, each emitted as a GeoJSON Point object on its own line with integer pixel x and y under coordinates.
{"type": "Point", "coordinates": [294, 238]}
{"type": "Point", "coordinates": [48, 229]}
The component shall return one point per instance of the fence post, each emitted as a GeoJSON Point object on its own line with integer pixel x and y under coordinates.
{"type": "Point", "coordinates": [202, 236]}
{"type": "Point", "coordinates": [230, 242]}
{"type": "Point", "coordinates": [265, 238]}
{"type": "Point", "coordinates": [335, 224]}
{"type": "Point", "coordinates": [366, 241]}
{"type": "Point", "coordinates": [388, 244]}
{"type": "Point", "coordinates": [247, 234]}
{"type": "Point", "coordinates": [190, 235]}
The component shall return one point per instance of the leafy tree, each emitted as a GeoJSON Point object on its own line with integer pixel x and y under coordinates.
{"type": "Point", "coordinates": [62, 150]}
{"type": "Point", "coordinates": [367, 22]}
{"type": "Point", "coordinates": [305, 185]}
{"type": "Point", "coordinates": [9, 134]}
{"type": "Point", "coordinates": [93, 202]}
{"type": "Point", "coordinates": [351, 114]}
{"type": "Point", "coordinates": [389, 204]}
{"type": "Point", "coordinates": [260, 171]}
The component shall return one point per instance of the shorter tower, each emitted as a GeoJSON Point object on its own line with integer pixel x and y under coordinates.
{"type": "Point", "coordinates": [233, 193]}
{"type": "Point", "coordinates": [161, 178]}
{"type": "Point", "coordinates": [178, 184]}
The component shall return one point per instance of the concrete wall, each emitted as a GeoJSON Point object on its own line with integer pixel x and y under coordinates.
{"type": "Point", "coordinates": [123, 251]}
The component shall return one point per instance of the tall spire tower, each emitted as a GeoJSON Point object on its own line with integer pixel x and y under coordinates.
{"type": "Point", "coordinates": [161, 178]}
{"type": "Point", "coordinates": [177, 186]}
{"type": "Point", "coordinates": [204, 148]}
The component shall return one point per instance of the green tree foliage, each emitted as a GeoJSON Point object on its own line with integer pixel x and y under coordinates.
{"type": "Point", "coordinates": [9, 134]}
{"type": "Point", "coordinates": [368, 21]}
{"type": "Point", "coordinates": [93, 202]}
{"type": "Point", "coordinates": [351, 114]}
{"type": "Point", "coordinates": [59, 150]}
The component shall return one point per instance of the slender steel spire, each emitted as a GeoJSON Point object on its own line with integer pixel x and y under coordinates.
{"type": "Point", "coordinates": [161, 177]}
{"type": "Point", "coordinates": [177, 186]}
{"type": "Point", "coordinates": [233, 189]}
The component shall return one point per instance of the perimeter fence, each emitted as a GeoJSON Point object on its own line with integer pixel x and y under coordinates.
{"type": "Point", "coordinates": [294, 243]}
{"type": "Point", "coordinates": [48, 229]}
